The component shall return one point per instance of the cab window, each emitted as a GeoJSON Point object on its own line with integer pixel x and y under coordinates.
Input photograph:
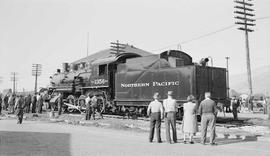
{"type": "Point", "coordinates": [102, 69]}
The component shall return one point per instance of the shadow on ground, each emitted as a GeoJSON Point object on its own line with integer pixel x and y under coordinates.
{"type": "Point", "coordinates": [34, 143]}
{"type": "Point", "coordinates": [226, 140]}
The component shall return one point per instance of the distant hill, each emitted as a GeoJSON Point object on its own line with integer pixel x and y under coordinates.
{"type": "Point", "coordinates": [260, 81]}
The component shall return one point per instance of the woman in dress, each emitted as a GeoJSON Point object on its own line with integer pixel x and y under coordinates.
{"type": "Point", "coordinates": [190, 126]}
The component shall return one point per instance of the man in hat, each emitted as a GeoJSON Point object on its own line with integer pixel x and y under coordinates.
{"type": "Point", "coordinates": [208, 112]}
{"type": "Point", "coordinates": [34, 103]}
{"type": "Point", "coordinates": [27, 100]}
{"type": "Point", "coordinates": [234, 105]}
{"type": "Point", "coordinates": [155, 111]}
{"type": "Point", "coordinates": [94, 105]}
{"type": "Point", "coordinates": [11, 103]}
{"type": "Point", "coordinates": [1, 101]}
{"type": "Point", "coordinates": [170, 108]}
{"type": "Point", "coordinates": [88, 107]}
{"type": "Point", "coordinates": [60, 103]}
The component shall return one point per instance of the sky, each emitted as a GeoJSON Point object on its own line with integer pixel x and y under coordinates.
{"type": "Point", "coordinates": [51, 32]}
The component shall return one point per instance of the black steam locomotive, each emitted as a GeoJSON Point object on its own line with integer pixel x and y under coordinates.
{"type": "Point", "coordinates": [127, 80]}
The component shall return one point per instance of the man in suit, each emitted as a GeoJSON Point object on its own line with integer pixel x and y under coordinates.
{"type": "Point", "coordinates": [155, 111]}
{"type": "Point", "coordinates": [208, 112]}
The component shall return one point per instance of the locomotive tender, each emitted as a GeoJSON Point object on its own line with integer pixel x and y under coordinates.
{"type": "Point", "coordinates": [129, 79]}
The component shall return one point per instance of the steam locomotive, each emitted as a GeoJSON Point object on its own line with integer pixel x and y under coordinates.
{"type": "Point", "coordinates": [127, 80]}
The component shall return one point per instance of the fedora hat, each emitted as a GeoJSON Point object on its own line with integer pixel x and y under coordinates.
{"type": "Point", "coordinates": [170, 93]}
{"type": "Point", "coordinates": [156, 95]}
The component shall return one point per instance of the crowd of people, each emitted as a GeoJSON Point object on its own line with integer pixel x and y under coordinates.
{"type": "Point", "coordinates": [19, 104]}
{"type": "Point", "coordinates": [92, 107]}
{"type": "Point", "coordinates": [157, 111]}
{"type": "Point", "coordinates": [167, 110]}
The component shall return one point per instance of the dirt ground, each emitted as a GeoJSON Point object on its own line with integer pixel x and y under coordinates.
{"type": "Point", "coordinates": [249, 124]}
{"type": "Point", "coordinates": [44, 138]}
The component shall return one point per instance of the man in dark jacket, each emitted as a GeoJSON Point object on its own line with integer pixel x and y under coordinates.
{"type": "Point", "coordinates": [34, 103]}
{"type": "Point", "coordinates": [208, 112]}
{"type": "Point", "coordinates": [234, 105]}
{"type": "Point", "coordinates": [6, 102]}
{"type": "Point", "coordinates": [1, 101]}
{"type": "Point", "coordinates": [27, 103]}
{"type": "Point", "coordinates": [39, 103]}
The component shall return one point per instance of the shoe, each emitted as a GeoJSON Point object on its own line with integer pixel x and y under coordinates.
{"type": "Point", "coordinates": [185, 142]}
{"type": "Point", "coordinates": [150, 141]}
{"type": "Point", "coordinates": [159, 141]}
{"type": "Point", "coordinates": [213, 144]}
{"type": "Point", "coordinates": [191, 142]}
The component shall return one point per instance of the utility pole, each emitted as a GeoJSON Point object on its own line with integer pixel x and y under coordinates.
{"type": "Point", "coordinates": [117, 48]}
{"type": "Point", "coordinates": [36, 71]}
{"type": "Point", "coordinates": [244, 14]}
{"type": "Point", "coordinates": [227, 76]}
{"type": "Point", "coordinates": [14, 78]}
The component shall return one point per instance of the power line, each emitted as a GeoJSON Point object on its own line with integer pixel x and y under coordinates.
{"type": "Point", "coordinates": [206, 35]}
{"type": "Point", "coordinates": [261, 18]}
{"type": "Point", "coordinates": [196, 38]}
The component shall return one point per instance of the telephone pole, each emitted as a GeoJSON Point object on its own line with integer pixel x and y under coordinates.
{"type": "Point", "coordinates": [36, 71]}
{"type": "Point", "coordinates": [244, 14]}
{"type": "Point", "coordinates": [117, 48]}
{"type": "Point", "coordinates": [227, 76]}
{"type": "Point", "coordinates": [14, 78]}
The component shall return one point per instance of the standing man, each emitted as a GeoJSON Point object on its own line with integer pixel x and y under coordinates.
{"type": "Point", "coordinates": [39, 103]}
{"type": "Point", "coordinates": [155, 111]}
{"type": "Point", "coordinates": [1, 101]}
{"type": "Point", "coordinates": [34, 103]}
{"type": "Point", "coordinates": [208, 112]}
{"type": "Point", "coordinates": [19, 106]}
{"type": "Point", "coordinates": [94, 105]}
{"type": "Point", "coordinates": [60, 102]}
{"type": "Point", "coordinates": [268, 106]}
{"type": "Point", "coordinates": [88, 108]}
{"type": "Point", "coordinates": [234, 105]}
{"type": "Point", "coordinates": [6, 102]}
{"type": "Point", "coordinates": [27, 103]}
{"type": "Point", "coordinates": [170, 108]}
{"type": "Point", "coordinates": [11, 103]}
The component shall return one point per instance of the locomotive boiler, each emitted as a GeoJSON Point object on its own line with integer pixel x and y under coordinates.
{"type": "Point", "coordinates": [127, 80]}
